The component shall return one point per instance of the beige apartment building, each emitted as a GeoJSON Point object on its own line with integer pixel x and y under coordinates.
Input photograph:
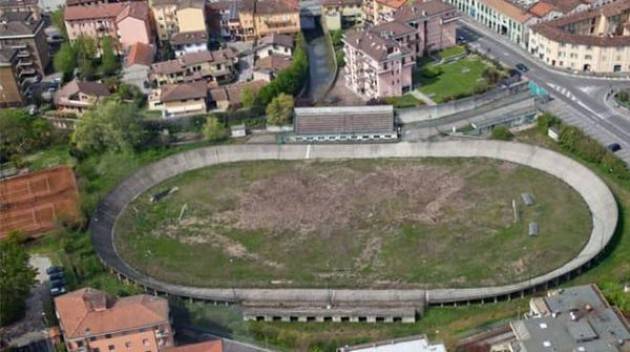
{"type": "Point", "coordinates": [179, 99]}
{"type": "Point", "coordinates": [21, 31]}
{"type": "Point", "coordinates": [91, 320]}
{"type": "Point", "coordinates": [591, 41]}
{"type": "Point", "coordinates": [173, 17]}
{"type": "Point", "coordinates": [252, 19]}
{"type": "Point", "coordinates": [276, 16]}
{"type": "Point", "coordinates": [10, 82]}
{"type": "Point", "coordinates": [337, 14]}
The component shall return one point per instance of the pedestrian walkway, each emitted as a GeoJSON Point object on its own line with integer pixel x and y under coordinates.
{"type": "Point", "coordinates": [423, 97]}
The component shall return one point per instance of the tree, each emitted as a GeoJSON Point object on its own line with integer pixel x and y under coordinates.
{"type": "Point", "coordinates": [58, 21]}
{"type": "Point", "coordinates": [65, 60]}
{"type": "Point", "coordinates": [128, 92]}
{"type": "Point", "coordinates": [109, 61]}
{"type": "Point", "coordinates": [16, 279]}
{"type": "Point", "coordinates": [21, 133]}
{"type": "Point", "coordinates": [111, 125]}
{"type": "Point", "coordinates": [85, 48]}
{"type": "Point", "coordinates": [492, 75]}
{"type": "Point", "coordinates": [545, 121]}
{"type": "Point", "coordinates": [501, 133]}
{"type": "Point", "coordinates": [248, 97]}
{"type": "Point", "coordinates": [213, 129]}
{"type": "Point", "coordinates": [280, 110]}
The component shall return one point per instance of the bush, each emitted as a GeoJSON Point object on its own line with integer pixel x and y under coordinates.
{"type": "Point", "coordinates": [545, 121]}
{"type": "Point", "coordinates": [280, 110]}
{"type": "Point", "coordinates": [502, 133]}
{"type": "Point", "coordinates": [214, 130]}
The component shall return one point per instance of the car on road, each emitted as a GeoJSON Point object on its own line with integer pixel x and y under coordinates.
{"type": "Point", "coordinates": [60, 282]}
{"type": "Point", "coordinates": [521, 67]}
{"type": "Point", "coordinates": [54, 269]}
{"type": "Point", "coordinates": [56, 276]}
{"type": "Point", "coordinates": [613, 147]}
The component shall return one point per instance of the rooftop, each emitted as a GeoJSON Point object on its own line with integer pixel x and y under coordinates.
{"type": "Point", "coordinates": [180, 64]}
{"type": "Point", "coordinates": [373, 45]}
{"type": "Point", "coordinates": [19, 24]}
{"type": "Point", "coordinates": [335, 3]}
{"type": "Point", "coordinates": [140, 54]}
{"type": "Point", "coordinates": [88, 88]}
{"type": "Point", "coordinates": [232, 92]}
{"type": "Point", "coordinates": [182, 38]}
{"type": "Point", "coordinates": [276, 6]}
{"type": "Point", "coordinates": [110, 10]}
{"type": "Point", "coordinates": [276, 39]}
{"type": "Point", "coordinates": [273, 63]}
{"type": "Point", "coordinates": [183, 91]}
{"type": "Point", "coordinates": [407, 344]}
{"type": "Point", "coordinates": [89, 311]}
{"type": "Point", "coordinates": [418, 10]}
{"type": "Point", "coordinates": [206, 346]}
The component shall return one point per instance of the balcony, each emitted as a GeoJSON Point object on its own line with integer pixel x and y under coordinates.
{"type": "Point", "coordinates": [23, 54]}
{"type": "Point", "coordinates": [26, 72]}
{"type": "Point", "coordinates": [20, 46]}
{"type": "Point", "coordinates": [23, 63]}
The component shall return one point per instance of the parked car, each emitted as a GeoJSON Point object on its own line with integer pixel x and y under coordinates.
{"type": "Point", "coordinates": [57, 283]}
{"type": "Point", "coordinates": [521, 67]}
{"type": "Point", "coordinates": [614, 147]}
{"type": "Point", "coordinates": [54, 269]}
{"type": "Point", "coordinates": [56, 291]}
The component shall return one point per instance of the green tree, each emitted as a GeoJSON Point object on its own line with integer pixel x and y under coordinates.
{"type": "Point", "coordinates": [213, 129]}
{"type": "Point", "coordinates": [58, 21]}
{"type": "Point", "coordinates": [545, 121]}
{"type": "Point", "coordinates": [128, 92]}
{"type": "Point", "coordinates": [65, 60]}
{"type": "Point", "coordinates": [492, 75]}
{"type": "Point", "coordinates": [21, 133]}
{"type": "Point", "coordinates": [16, 279]}
{"type": "Point", "coordinates": [109, 61]}
{"type": "Point", "coordinates": [111, 125]}
{"type": "Point", "coordinates": [280, 110]}
{"type": "Point", "coordinates": [248, 97]}
{"type": "Point", "coordinates": [501, 133]}
{"type": "Point", "coordinates": [85, 48]}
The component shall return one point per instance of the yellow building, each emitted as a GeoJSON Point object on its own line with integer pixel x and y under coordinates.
{"type": "Point", "coordinates": [593, 41]}
{"type": "Point", "coordinates": [337, 14]}
{"type": "Point", "coordinates": [276, 16]}
{"type": "Point", "coordinates": [175, 17]}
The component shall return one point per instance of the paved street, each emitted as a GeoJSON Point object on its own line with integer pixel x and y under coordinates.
{"type": "Point", "coordinates": [580, 101]}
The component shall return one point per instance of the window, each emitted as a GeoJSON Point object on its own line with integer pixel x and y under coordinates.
{"type": "Point", "coordinates": [128, 344]}
{"type": "Point", "coordinates": [111, 347]}
{"type": "Point", "coordinates": [145, 342]}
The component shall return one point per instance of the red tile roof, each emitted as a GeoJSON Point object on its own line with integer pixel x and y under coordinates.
{"type": "Point", "coordinates": [541, 9]}
{"type": "Point", "coordinates": [395, 4]}
{"type": "Point", "coordinates": [93, 311]}
{"type": "Point", "coordinates": [183, 91]}
{"type": "Point", "coordinates": [140, 54]}
{"type": "Point", "coordinates": [111, 10]}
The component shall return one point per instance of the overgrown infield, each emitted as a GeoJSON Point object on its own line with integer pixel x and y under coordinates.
{"type": "Point", "coordinates": [382, 223]}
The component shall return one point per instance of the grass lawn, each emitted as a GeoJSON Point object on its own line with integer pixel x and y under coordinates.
{"type": "Point", "coordinates": [405, 101]}
{"type": "Point", "coordinates": [444, 82]}
{"type": "Point", "coordinates": [53, 156]}
{"type": "Point", "coordinates": [359, 223]}
{"type": "Point", "coordinates": [453, 51]}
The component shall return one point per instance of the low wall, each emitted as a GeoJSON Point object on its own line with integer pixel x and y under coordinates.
{"type": "Point", "coordinates": [430, 112]}
{"type": "Point", "coordinates": [596, 194]}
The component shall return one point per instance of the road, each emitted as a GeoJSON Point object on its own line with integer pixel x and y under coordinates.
{"type": "Point", "coordinates": [580, 101]}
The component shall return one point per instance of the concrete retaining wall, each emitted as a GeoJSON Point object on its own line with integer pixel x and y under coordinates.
{"type": "Point", "coordinates": [596, 194]}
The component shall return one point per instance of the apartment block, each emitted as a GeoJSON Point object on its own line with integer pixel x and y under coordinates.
{"type": "Point", "coordinates": [338, 14]}
{"type": "Point", "coordinates": [172, 17]}
{"type": "Point", "coordinates": [28, 6]}
{"type": "Point", "coordinates": [22, 32]}
{"type": "Point", "coordinates": [129, 23]}
{"type": "Point", "coordinates": [252, 19]}
{"type": "Point", "coordinates": [91, 320]}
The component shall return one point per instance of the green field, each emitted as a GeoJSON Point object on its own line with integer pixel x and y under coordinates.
{"type": "Point", "coordinates": [454, 80]}
{"type": "Point", "coordinates": [355, 223]}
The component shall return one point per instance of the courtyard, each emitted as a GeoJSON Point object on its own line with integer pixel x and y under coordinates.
{"type": "Point", "coordinates": [387, 223]}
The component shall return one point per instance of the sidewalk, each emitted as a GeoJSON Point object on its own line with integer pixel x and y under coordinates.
{"type": "Point", "coordinates": [423, 97]}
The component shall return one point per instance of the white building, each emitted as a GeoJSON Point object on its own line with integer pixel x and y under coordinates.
{"type": "Point", "coordinates": [407, 344]}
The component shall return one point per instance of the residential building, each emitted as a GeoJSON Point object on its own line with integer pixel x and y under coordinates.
{"type": "Point", "coordinates": [76, 97]}
{"type": "Point", "coordinates": [20, 31]}
{"type": "Point", "coordinates": [251, 19]}
{"type": "Point", "coordinates": [11, 88]}
{"type": "Point", "coordinates": [35, 210]}
{"type": "Point", "coordinates": [274, 44]}
{"type": "Point", "coordinates": [414, 343]}
{"type": "Point", "coordinates": [267, 68]}
{"type": "Point", "coordinates": [348, 124]}
{"type": "Point", "coordinates": [547, 10]}
{"type": "Point", "coordinates": [137, 66]}
{"type": "Point", "coordinates": [215, 66]}
{"type": "Point", "coordinates": [572, 319]}
{"type": "Point", "coordinates": [338, 14]}
{"type": "Point", "coordinates": [276, 16]}
{"type": "Point", "coordinates": [380, 59]}
{"type": "Point", "coordinates": [189, 42]}
{"type": "Point", "coordinates": [501, 16]}
{"type": "Point", "coordinates": [181, 99]}
{"type": "Point", "coordinates": [206, 346]}
{"type": "Point", "coordinates": [597, 40]}
{"type": "Point", "coordinates": [229, 96]}
{"type": "Point", "coordinates": [28, 6]}
{"type": "Point", "coordinates": [126, 23]}
{"type": "Point", "coordinates": [377, 66]}
{"type": "Point", "coordinates": [173, 17]}
{"type": "Point", "coordinates": [383, 9]}
{"type": "Point", "coordinates": [91, 320]}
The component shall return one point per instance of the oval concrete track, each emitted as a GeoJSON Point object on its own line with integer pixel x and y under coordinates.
{"type": "Point", "coordinates": [600, 201]}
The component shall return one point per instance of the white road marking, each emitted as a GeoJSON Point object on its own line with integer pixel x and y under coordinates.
{"type": "Point", "coordinates": [308, 151]}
